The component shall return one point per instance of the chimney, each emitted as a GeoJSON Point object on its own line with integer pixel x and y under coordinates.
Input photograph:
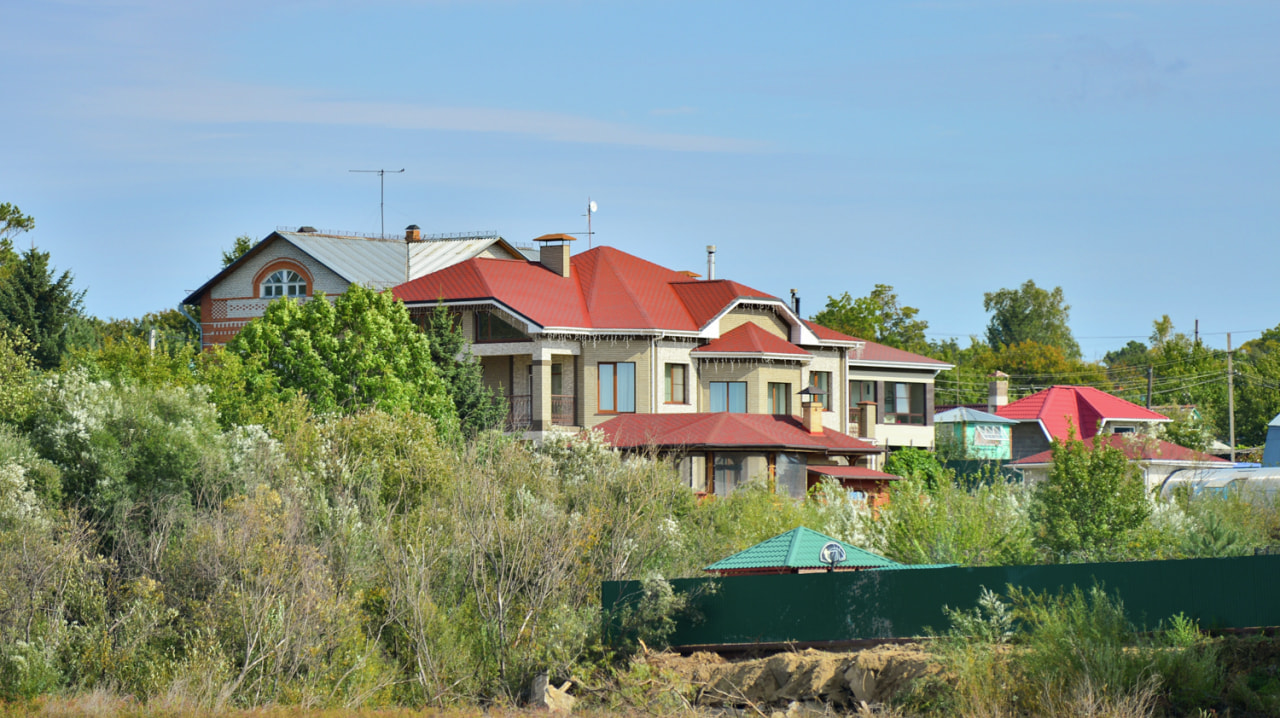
{"type": "Point", "coordinates": [867, 419]}
{"type": "Point", "coordinates": [711, 262]}
{"type": "Point", "coordinates": [795, 302]}
{"type": "Point", "coordinates": [413, 233]}
{"type": "Point", "coordinates": [997, 391]}
{"type": "Point", "coordinates": [553, 252]}
{"type": "Point", "coordinates": [811, 416]}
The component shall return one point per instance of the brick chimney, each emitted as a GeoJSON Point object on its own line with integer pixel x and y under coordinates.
{"type": "Point", "coordinates": [811, 417]}
{"type": "Point", "coordinates": [413, 233]}
{"type": "Point", "coordinates": [997, 391]}
{"type": "Point", "coordinates": [553, 252]}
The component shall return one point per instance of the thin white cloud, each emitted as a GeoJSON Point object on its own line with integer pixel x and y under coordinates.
{"type": "Point", "coordinates": [230, 103]}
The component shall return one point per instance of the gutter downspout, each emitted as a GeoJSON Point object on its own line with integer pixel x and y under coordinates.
{"type": "Point", "coordinates": [199, 327]}
{"type": "Point", "coordinates": [653, 375]}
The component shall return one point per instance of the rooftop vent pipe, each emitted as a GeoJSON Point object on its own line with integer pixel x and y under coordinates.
{"type": "Point", "coordinates": [711, 262]}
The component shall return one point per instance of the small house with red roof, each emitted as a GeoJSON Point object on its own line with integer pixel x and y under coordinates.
{"type": "Point", "coordinates": [1157, 459]}
{"type": "Point", "coordinates": [1059, 412]}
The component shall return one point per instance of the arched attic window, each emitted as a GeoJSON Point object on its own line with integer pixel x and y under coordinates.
{"type": "Point", "coordinates": [284, 283]}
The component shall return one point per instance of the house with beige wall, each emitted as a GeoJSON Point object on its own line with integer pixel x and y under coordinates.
{"type": "Point", "coordinates": [576, 340]}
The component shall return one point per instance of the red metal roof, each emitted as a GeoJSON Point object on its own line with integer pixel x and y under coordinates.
{"type": "Point", "coordinates": [1080, 406]}
{"type": "Point", "coordinates": [705, 300]}
{"type": "Point", "coordinates": [1135, 447]}
{"type": "Point", "coordinates": [606, 289]}
{"type": "Point", "coordinates": [829, 334]}
{"type": "Point", "coordinates": [749, 338]}
{"type": "Point", "coordinates": [872, 351]}
{"type": "Point", "coordinates": [852, 472]}
{"type": "Point", "coordinates": [726, 430]}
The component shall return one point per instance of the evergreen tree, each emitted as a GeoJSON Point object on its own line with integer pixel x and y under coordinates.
{"type": "Point", "coordinates": [478, 409]}
{"type": "Point", "coordinates": [42, 307]}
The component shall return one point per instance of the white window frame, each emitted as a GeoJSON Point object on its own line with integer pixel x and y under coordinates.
{"type": "Point", "coordinates": [283, 283]}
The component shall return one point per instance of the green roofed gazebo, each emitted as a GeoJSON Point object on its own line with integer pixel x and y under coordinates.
{"type": "Point", "coordinates": [796, 551]}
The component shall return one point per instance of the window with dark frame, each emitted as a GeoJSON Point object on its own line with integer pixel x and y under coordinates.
{"type": "Point", "coordinates": [904, 403]}
{"type": "Point", "coordinates": [617, 388]}
{"type": "Point", "coordinates": [676, 383]}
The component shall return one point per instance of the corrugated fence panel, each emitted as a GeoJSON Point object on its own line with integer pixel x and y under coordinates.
{"type": "Point", "coordinates": [1238, 592]}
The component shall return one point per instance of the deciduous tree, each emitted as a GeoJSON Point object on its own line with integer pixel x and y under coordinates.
{"type": "Point", "coordinates": [1091, 501]}
{"type": "Point", "coordinates": [360, 351]}
{"type": "Point", "coordinates": [877, 317]}
{"type": "Point", "coordinates": [1030, 313]}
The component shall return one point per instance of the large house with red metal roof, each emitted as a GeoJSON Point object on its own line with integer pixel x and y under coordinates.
{"type": "Point", "coordinates": [578, 341]}
{"type": "Point", "coordinates": [1060, 411]}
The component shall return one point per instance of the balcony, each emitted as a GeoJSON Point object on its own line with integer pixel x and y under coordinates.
{"type": "Point", "coordinates": [520, 411]}
{"type": "Point", "coordinates": [562, 410]}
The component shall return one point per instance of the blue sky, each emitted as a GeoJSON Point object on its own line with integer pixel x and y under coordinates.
{"type": "Point", "coordinates": [1126, 151]}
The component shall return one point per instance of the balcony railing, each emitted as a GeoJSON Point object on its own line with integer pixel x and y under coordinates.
{"type": "Point", "coordinates": [520, 411]}
{"type": "Point", "coordinates": [562, 410]}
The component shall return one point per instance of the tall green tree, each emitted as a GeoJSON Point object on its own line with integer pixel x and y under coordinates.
{"type": "Point", "coordinates": [477, 407]}
{"type": "Point", "coordinates": [878, 317]}
{"type": "Point", "coordinates": [12, 223]}
{"type": "Point", "coordinates": [1092, 501]}
{"type": "Point", "coordinates": [1257, 382]}
{"type": "Point", "coordinates": [360, 351]}
{"type": "Point", "coordinates": [43, 307]}
{"type": "Point", "coordinates": [1030, 313]}
{"type": "Point", "coordinates": [239, 248]}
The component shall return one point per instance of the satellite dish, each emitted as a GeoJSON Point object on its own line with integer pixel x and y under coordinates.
{"type": "Point", "coordinates": [831, 554]}
{"type": "Point", "coordinates": [591, 207]}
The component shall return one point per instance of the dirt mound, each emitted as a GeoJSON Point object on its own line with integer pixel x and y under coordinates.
{"type": "Point", "coordinates": [871, 675]}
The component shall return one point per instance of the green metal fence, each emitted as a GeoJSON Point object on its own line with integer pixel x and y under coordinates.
{"type": "Point", "coordinates": [1238, 592]}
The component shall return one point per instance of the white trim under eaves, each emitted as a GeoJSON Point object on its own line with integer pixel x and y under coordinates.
{"type": "Point", "coordinates": [800, 333]}
{"type": "Point", "coordinates": [531, 327]}
{"type": "Point", "coordinates": [747, 356]}
{"type": "Point", "coordinates": [935, 368]}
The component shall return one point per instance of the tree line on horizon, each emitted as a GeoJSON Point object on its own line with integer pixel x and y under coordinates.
{"type": "Point", "coordinates": [1029, 338]}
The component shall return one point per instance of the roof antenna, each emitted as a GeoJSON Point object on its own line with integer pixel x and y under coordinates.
{"type": "Point", "coordinates": [382, 195]}
{"type": "Point", "coordinates": [591, 209]}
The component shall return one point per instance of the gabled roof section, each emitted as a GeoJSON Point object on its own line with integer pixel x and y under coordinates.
{"type": "Point", "coordinates": [797, 549]}
{"type": "Point", "coordinates": [750, 340]}
{"type": "Point", "coordinates": [379, 263]}
{"type": "Point", "coordinates": [727, 431]}
{"type": "Point", "coordinates": [1082, 407]}
{"type": "Point", "coordinates": [706, 300]}
{"type": "Point", "coordinates": [1135, 448]}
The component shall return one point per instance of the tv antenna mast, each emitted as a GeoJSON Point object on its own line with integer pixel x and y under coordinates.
{"type": "Point", "coordinates": [382, 194]}
{"type": "Point", "coordinates": [592, 208]}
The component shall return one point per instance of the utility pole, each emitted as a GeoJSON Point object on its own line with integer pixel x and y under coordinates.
{"type": "Point", "coordinates": [1150, 377]}
{"type": "Point", "coordinates": [1231, 401]}
{"type": "Point", "coordinates": [382, 194]}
